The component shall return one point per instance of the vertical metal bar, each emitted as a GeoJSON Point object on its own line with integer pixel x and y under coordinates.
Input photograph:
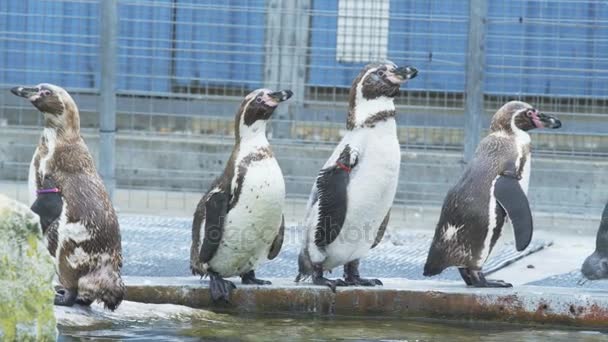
{"type": "Point", "coordinates": [478, 10]}
{"type": "Point", "coordinates": [107, 94]}
{"type": "Point", "coordinates": [287, 35]}
{"type": "Point", "coordinates": [272, 56]}
{"type": "Point", "coordinates": [299, 60]}
{"type": "Point", "coordinates": [286, 65]}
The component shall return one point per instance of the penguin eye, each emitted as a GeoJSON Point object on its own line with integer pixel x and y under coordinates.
{"type": "Point", "coordinates": [45, 92]}
{"type": "Point", "coordinates": [380, 73]}
{"type": "Point", "coordinates": [529, 113]}
{"type": "Point", "coordinates": [258, 99]}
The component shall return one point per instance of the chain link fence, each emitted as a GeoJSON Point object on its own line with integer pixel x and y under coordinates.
{"type": "Point", "coordinates": [183, 66]}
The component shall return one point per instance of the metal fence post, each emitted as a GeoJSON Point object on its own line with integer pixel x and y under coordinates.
{"type": "Point", "coordinates": [107, 94]}
{"type": "Point", "coordinates": [297, 44]}
{"type": "Point", "coordinates": [272, 59]}
{"type": "Point", "coordinates": [475, 66]}
{"type": "Point", "coordinates": [287, 32]}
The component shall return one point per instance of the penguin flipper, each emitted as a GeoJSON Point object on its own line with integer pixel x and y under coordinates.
{"type": "Point", "coordinates": [331, 184]}
{"type": "Point", "coordinates": [275, 248]}
{"type": "Point", "coordinates": [514, 201]}
{"type": "Point", "coordinates": [216, 208]}
{"type": "Point", "coordinates": [382, 229]}
{"type": "Point", "coordinates": [48, 206]}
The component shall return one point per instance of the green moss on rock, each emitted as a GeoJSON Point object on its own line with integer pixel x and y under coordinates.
{"type": "Point", "coordinates": [26, 273]}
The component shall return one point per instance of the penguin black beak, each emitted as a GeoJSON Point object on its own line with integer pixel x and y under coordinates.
{"type": "Point", "coordinates": [405, 73]}
{"type": "Point", "coordinates": [549, 121]}
{"type": "Point", "coordinates": [24, 91]}
{"type": "Point", "coordinates": [282, 95]}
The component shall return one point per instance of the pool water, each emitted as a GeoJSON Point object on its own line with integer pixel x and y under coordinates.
{"type": "Point", "coordinates": [166, 323]}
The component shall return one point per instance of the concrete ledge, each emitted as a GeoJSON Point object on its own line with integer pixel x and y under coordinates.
{"type": "Point", "coordinates": [397, 298]}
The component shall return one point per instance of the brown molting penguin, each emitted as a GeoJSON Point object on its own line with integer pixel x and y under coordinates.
{"type": "Point", "coordinates": [494, 185]}
{"type": "Point", "coordinates": [239, 222]}
{"type": "Point", "coordinates": [85, 239]}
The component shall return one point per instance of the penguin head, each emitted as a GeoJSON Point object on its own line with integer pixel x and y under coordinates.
{"type": "Point", "coordinates": [381, 79]}
{"type": "Point", "coordinates": [521, 115]}
{"type": "Point", "coordinates": [57, 106]}
{"type": "Point", "coordinates": [373, 90]}
{"type": "Point", "coordinates": [256, 109]}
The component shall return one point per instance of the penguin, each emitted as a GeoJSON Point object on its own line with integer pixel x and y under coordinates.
{"type": "Point", "coordinates": [84, 239]}
{"type": "Point", "coordinates": [348, 210]}
{"type": "Point", "coordinates": [493, 186]}
{"type": "Point", "coordinates": [596, 265]}
{"type": "Point", "coordinates": [239, 222]}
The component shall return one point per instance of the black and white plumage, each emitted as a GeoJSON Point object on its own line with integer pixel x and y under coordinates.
{"type": "Point", "coordinates": [239, 222]}
{"type": "Point", "coordinates": [596, 265]}
{"type": "Point", "coordinates": [83, 236]}
{"type": "Point", "coordinates": [348, 208]}
{"type": "Point", "coordinates": [493, 186]}
{"type": "Point", "coordinates": [332, 184]}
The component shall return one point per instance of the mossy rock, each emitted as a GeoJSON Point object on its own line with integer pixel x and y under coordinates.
{"type": "Point", "coordinates": [26, 274]}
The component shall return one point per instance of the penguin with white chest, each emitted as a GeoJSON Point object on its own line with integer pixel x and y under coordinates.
{"type": "Point", "coordinates": [239, 222]}
{"type": "Point", "coordinates": [348, 209]}
{"type": "Point", "coordinates": [81, 227]}
{"type": "Point", "coordinates": [493, 186]}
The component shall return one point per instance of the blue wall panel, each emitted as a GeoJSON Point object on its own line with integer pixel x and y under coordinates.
{"type": "Point", "coordinates": [324, 69]}
{"type": "Point", "coordinates": [547, 48]}
{"type": "Point", "coordinates": [435, 47]}
{"type": "Point", "coordinates": [533, 47]}
{"type": "Point", "coordinates": [144, 47]}
{"type": "Point", "coordinates": [555, 49]}
{"type": "Point", "coordinates": [220, 44]}
{"type": "Point", "coordinates": [431, 35]}
{"type": "Point", "coordinates": [44, 41]}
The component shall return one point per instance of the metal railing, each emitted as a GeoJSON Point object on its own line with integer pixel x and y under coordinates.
{"type": "Point", "coordinates": [158, 83]}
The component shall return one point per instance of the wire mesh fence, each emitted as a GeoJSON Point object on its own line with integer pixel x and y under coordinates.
{"type": "Point", "coordinates": [183, 67]}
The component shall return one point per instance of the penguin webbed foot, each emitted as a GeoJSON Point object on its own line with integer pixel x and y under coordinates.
{"type": "Point", "coordinates": [497, 283]}
{"type": "Point", "coordinates": [65, 297]}
{"type": "Point", "coordinates": [250, 279]}
{"type": "Point", "coordinates": [358, 281]}
{"type": "Point", "coordinates": [478, 279]}
{"type": "Point", "coordinates": [220, 288]}
{"type": "Point", "coordinates": [466, 276]}
{"type": "Point", "coordinates": [352, 277]}
{"type": "Point", "coordinates": [319, 279]}
{"type": "Point", "coordinates": [331, 283]}
{"type": "Point", "coordinates": [300, 277]}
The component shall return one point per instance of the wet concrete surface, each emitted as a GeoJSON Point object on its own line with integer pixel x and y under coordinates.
{"type": "Point", "coordinates": [397, 298]}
